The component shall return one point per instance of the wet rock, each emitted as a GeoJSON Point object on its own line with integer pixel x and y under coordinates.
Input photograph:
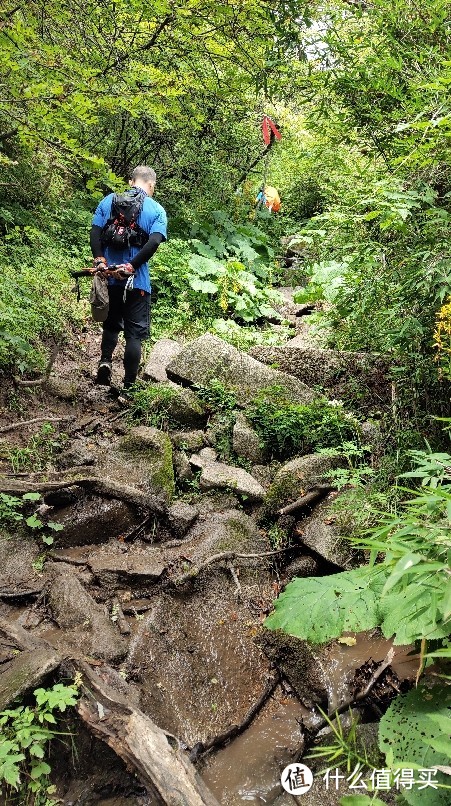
{"type": "Point", "coordinates": [304, 667]}
{"type": "Point", "coordinates": [182, 467]}
{"type": "Point", "coordinates": [218, 475]}
{"type": "Point", "coordinates": [136, 561]}
{"type": "Point", "coordinates": [150, 452]}
{"type": "Point", "coordinates": [295, 477]}
{"type": "Point", "coordinates": [181, 516]}
{"type": "Point", "coordinates": [199, 668]}
{"type": "Point", "coordinates": [360, 379]}
{"type": "Point", "coordinates": [25, 672]}
{"type": "Point", "coordinates": [231, 530]}
{"type": "Point", "coordinates": [246, 442]}
{"type": "Point", "coordinates": [210, 357]}
{"type": "Point", "coordinates": [162, 352]}
{"type": "Point", "coordinates": [17, 574]}
{"type": "Point", "coordinates": [189, 440]}
{"type": "Point", "coordinates": [84, 623]}
{"type": "Point", "coordinates": [320, 535]}
{"type": "Point", "coordinates": [94, 520]}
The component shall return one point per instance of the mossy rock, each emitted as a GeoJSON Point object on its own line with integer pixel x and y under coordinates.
{"type": "Point", "coordinates": [296, 477]}
{"type": "Point", "coordinates": [152, 449]}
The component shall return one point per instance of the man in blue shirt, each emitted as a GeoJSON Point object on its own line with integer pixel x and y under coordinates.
{"type": "Point", "coordinates": [129, 284]}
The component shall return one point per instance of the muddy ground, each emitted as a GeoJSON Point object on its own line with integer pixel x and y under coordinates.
{"type": "Point", "coordinates": [161, 584]}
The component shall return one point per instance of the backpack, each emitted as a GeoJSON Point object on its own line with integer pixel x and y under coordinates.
{"type": "Point", "coordinates": [99, 298]}
{"type": "Point", "coordinates": [121, 229]}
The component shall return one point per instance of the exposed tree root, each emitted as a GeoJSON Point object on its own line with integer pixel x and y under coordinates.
{"type": "Point", "coordinates": [69, 478]}
{"type": "Point", "coordinates": [21, 423]}
{"type": "Point", "coordinates": [308, 499]}
{"type": "Point", "coordinates": [154, 755]}
{"type": "Point", "coordinates": [48, 369]}
{"type": "Point", "coordinates": [228, 556]}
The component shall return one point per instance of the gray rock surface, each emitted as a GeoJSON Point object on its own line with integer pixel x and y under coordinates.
{"type": "Point", "coordinates": [84, 624]}
{"type": "Point", "coordinates": [320, 535]}
{"type": "Point", "coordinates": [295, 477]}
{"type": "Point", "coordinates": [246, 442]}
{"type": "Point", "coordinates": [189, 440]}
{"type": "Point", "coordinates": [162, 352]}
{"type": "Point", "coordinates": [181, 516]}
{"type": "Point", "coordinates": [361, 380]}
{"type": "Point", "coordinates": [231, 530]}
{"type": "Point", "coordinates": [182, 467]}
{"type": "Point", "coordinates": [25, 672]}
{"type": "Point", "coordinates": [218, 475]}
{"type": "Point", "coordinates": [210, 357]}
{"type": "Point", "coordinates": [184, 407]}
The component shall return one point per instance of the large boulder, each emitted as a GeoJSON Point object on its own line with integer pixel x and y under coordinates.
{"type": "Point", "coordinates": [359, 379]}
{"type": "Point", "coordinates": [297, 476]}
{"type": "Point", "coordinates": [94, 519]}
{"type": "Point", "coordinates": [85, 625]}
{"type": "Point", "coordinates": [162, 352]}
{"type": "Point", "coordinates": [220, 476]}
{"type": "Point", "coordinates": [149, 452]}
{"type": "Point", "coordinates": [210, 357]}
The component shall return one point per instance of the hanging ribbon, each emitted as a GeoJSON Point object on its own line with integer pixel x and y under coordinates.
{"type": "Point", "coordinates": [268, 128]}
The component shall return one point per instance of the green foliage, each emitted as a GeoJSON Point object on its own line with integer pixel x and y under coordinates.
{"type": "Point", "coordinates": [36, 303]}
{"type": "Point", "coordinates": [40, 450]}
{"type": "Point", "coordinates": [415, 733]}
{"type": "Point", "coordinates": [11, 513]}
{"type": "Point", "coordinates": [150, 404]}
{"type": "Point", "coordinates": [25, 735]}
{"type": "Point", "coordinates": [216, 396]}
{"type": "Point", "coordinates": [322, 608]}
{"type": "Point", "coordinates": [287, 429]}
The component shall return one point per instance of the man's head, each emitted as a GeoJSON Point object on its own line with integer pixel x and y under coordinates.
{"type": "Point", "coordinates": [145, 178]}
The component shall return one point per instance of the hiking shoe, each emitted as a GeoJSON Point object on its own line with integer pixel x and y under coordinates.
{"type": "Point", "coordinates": [104, 373]}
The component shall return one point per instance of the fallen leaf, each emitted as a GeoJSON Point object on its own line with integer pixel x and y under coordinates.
{"type": "Point", "coordinates": [348, 640]}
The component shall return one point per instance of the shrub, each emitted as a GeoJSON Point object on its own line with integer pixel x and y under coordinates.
{"type": "Point", "coordinates": [288, 428]}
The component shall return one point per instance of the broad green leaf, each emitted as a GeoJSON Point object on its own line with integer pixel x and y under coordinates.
{"type": "Point", "coordinates": [31, 497]}
{"type": "Point", "coordinates": [413, 613]}
{"type": "Point", "coordinates": [33, 522]}
{"type": "Point", "coordinates": [205, 286]}
{"type": "Point", "coordinates": [321, 608]}
{"type": "Point", "coordinates": [57, 527]}
{"type": "Point", "coordinates": [408, 732]}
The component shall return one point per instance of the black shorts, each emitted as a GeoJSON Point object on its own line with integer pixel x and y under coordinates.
{"type": "Point", "coordinates": [131, 316]}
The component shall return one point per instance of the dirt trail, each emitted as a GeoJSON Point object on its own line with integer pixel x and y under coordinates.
{"type": "Point", "coordinates": [161, 594]}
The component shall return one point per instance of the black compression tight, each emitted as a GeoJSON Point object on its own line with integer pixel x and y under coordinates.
{"type": "Point", "coordinates": [132, 354]}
